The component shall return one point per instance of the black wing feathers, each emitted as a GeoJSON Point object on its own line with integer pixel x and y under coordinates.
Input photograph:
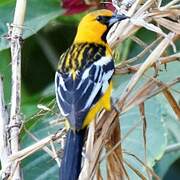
{"type": "Point", "coordinates": [76, 96]}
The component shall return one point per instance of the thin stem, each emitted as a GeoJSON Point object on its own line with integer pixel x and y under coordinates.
{"type": "Point", "coordinates": [4, 148]}
{"type": "Point", "coordinates": [15, 117]}
{"type": "Point", "coordinates": [172, 148]}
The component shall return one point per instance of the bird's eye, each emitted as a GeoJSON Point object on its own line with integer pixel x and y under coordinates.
{"type": "Point", "coordinates": [99, 18]}
{"type": "Point", "coordinates": [103, 19]}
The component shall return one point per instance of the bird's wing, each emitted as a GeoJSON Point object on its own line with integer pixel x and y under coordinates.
{"type": "Point", "coordinates": [76, 96]}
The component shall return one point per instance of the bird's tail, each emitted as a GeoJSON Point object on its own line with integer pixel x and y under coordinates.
{"type": "Point", "coordinates": [71, 162]}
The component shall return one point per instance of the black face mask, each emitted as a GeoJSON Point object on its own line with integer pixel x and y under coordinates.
{"type": "Point", "coordinates": [109, 21]}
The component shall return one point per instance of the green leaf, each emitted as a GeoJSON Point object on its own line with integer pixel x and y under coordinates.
{"type": "Point", "coordinates": [5, 72]}
{"type": "Point", "coordinates": [169, 158]}
{"type": "Point", "coordinates": [39, 13]}
{"type": "Point", "coordinates": [171, 73]}
{"type": "Point", "coordinates": [134, 143]}
{"type": "Point", "coordinates": [157, 128]}
{"type": "Point", "coordinates": [172, 124]}
{"type": "Point", "coordinates": [40, 165]}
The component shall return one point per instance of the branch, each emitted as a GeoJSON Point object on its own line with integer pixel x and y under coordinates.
{"type": "Point", "coordinates": [152, 58]}
{"type": "Point", "coordinates": [172, 148]}
{"type": "Point", "coordinates": [20, 155]}
{"type": "Point", "coordinates": [15, 118]}
{"type": "Point", "coordinates": [4, 148]}
{"type": "Point", "coordinates": [125, 68]}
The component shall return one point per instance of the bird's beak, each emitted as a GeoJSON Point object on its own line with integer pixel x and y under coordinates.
{"type": "Point", "coordinates": [116, 18]}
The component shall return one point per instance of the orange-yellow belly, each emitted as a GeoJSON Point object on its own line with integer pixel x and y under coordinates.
{"type": "Point", "coordinates": [104, 102]}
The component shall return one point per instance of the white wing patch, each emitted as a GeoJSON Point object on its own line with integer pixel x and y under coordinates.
{"type": "Point", "coordinates": [86, 73]}
{"type": "Point", "coordinates": [61, 81]}
{"type": "Point", "coordinates": [92, 82]}
{"type": "Point", "coordinates": [58, 93]}
{"type": "Point", "coordinates": [92, 95]}
{"type": "Point", "coordinates": [103, 79]}
{"type": "Point", "coordinates": [103, 61]}
{"type": "Point", "coordinates": [106, 78]}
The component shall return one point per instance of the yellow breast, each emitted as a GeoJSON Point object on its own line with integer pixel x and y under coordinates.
{"type": "Point", "coordinates": [104, 102]}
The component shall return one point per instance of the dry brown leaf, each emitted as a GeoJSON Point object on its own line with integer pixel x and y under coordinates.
{"type": "Point", "coordinates": [172, 102]}
{"type": "Point", "coordinates": [152, 58]}
{"type": "Point", "coordinates": [153, 174]}
{"type": "Point", "coordinates": [169, 5]}
{"type": "Point", "coordinates": [141, 95]}
{"type": "Point", "coordinates": [136, 171]}
{"type": "Point", "coordinates": [143, 118]}
{"type": "Point", "coordinates": [168, 24]}
{"type": "Point", "coordinates": [125, 68]}
{"type": "Point", "coordinates": [90, 170]}
{"type": "Point", "coordinates": [115, 167]}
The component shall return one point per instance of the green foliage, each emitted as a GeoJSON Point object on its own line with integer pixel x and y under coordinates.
{"type": "Point", "coordinates": [39, 165]}
{"type": "Point", "coordinates": [169, 158]}
{"type": "Point", "coordinates": [134, 142]}
{"type": "Point", "coordinates": [5, 68]}
{"type": "Point", "coordinates": [39, 13]}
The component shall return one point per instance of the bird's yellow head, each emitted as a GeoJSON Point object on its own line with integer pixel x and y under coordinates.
{"type": "Point", "coordinates": [94, 27]}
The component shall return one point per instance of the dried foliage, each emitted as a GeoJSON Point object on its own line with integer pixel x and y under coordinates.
{"type": "Point", "coordinates": [152, 16]}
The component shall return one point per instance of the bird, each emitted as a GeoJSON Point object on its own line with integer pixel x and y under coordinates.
{"type": "Point", "coordinates": [83, 84]}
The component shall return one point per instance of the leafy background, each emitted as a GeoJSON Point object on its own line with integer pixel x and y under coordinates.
{"type": "Point", "coordinates": [48, 33]}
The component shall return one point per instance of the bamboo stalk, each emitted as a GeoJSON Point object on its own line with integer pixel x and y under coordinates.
{"type": "Point", "coordinates": [15, 117]}
{"type": "Point", "coordinates": [4, 146]}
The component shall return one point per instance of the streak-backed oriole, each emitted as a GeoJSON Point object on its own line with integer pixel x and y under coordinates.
{"type": "Point", "coordinates": [83, 84]}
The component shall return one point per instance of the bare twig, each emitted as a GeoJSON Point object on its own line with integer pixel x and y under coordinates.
{"type": "Point", "coordinates": [153, 57]}
{"type": "Point", "coordinates": [4, 146]}
{"type": "Point", "coordinates": [147, 91]}
{"type": "Point", "coordinates": [124, 68]}
{"type": "Point", "coordinates": [20, 155]}
{"type": "Point", "coordinates": [89, 148]}
{"type": "Point", "coordinates": [55, 153]}
{"type": "Point", "coordinates": [172, 148]}
{"type": "Point", "coordinates": [143, 118]}
{"type": "Point", "coordinates": [45, 148]}
{"type": "Point", "coordinates": [122, 139]}
{"type": "Point", "coordinates": [97, 147]}
{"type": "Point", "coordinates": [136, 171]}
{"type": "Point", "coordinates": [15, 117]}
{"type": "Point", "coordinates": [172, 102]}
{"type": "Point", "coordinates": [153, 174]}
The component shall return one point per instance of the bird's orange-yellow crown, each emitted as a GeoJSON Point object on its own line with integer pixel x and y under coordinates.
{"type": "Point", "coordinates": [90, 29]}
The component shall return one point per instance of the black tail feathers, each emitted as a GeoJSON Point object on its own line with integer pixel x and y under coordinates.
{"type": "Point", "coordinates": [71, 162]}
